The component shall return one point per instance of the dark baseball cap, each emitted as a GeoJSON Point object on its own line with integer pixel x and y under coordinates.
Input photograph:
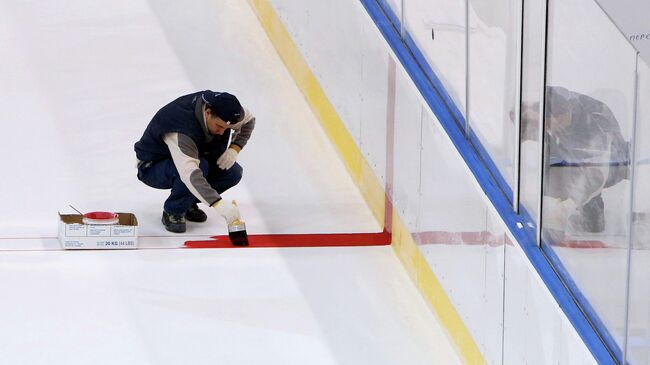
{"type": "Point", "coordinates": [224, 105]}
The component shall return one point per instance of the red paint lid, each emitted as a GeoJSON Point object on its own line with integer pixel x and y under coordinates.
{"type": "Point", "coordinates": [100, 215]}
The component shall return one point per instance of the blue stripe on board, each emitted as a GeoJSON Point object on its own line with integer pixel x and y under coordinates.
{"type": "Point", "coordinates": [480, 165]}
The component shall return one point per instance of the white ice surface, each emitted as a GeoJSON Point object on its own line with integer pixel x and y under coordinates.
{"type": "Point", "coordinates": [256, 306]}
{"type": "Point", "coordinates": [79, 82]}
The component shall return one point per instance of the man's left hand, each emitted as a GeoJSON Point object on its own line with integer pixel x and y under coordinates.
{"type": "Point", "coordinates": [228, 158]}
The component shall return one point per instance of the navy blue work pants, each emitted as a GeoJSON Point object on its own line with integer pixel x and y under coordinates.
{"type": "Point", "coordinates": [163, 175]}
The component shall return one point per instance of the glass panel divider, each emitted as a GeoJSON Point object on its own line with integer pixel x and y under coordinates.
{"type": "Point", "coordinates": [517, 111]}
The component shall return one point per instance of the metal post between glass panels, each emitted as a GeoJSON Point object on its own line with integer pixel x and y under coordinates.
{"type": "Point", "coordinates": [518, 97]}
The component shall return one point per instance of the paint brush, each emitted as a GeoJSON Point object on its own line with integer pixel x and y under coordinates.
{"type": "Point", "coordinates": [237, 231]}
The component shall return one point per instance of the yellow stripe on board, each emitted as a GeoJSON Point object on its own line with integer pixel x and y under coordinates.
{"type": "Point", "coordinates": [368, 183]}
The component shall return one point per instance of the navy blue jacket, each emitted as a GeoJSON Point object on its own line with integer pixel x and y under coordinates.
{"type": "Point", "coordinates": [184, 116]}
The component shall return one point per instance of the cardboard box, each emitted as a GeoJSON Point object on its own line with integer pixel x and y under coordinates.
{"type": "Point", "coordinates": [75, 235]}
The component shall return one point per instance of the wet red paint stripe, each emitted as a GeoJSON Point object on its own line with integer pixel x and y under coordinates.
{"type": "Point", "coordinates": [376, 239]}
{"type": "Point", "coordinates": [299, 240]}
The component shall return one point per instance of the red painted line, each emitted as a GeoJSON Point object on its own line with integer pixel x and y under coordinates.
{"type": "Point", "coordinates": [299, 240]}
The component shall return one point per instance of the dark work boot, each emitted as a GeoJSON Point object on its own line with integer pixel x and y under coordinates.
{"type": "Point", "coordinates": [594, 215]}
{"type": "Point", "coordinates": [590, 218]}
{"type": "Point", "coordinates": [174, 222]}
{"type": "Point", "coordinates": [194, 214]}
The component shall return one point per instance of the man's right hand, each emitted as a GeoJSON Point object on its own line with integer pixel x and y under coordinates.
{"type": "Point", "coordinates": [227, 209]}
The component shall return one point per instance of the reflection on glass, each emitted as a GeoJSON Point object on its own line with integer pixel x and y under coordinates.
{"type": "Point", "coordinates": [585, 154]}
{"type": "Point", "coordinates": [396, 6]}
{"type": "Point", "coordinates": [438, 29]}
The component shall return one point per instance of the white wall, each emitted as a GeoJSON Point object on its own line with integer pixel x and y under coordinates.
{"type": "Point", "coordinates": [631, 16]}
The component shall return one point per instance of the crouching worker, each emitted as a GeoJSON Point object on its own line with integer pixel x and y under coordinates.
{"type": "Point", "coordinates": [585, 153]}
{"type": "Point", "coordinates": [191, 147]}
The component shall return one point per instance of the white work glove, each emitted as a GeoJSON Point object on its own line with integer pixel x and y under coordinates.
{"type": "Point", "coordinates": [227, 159]}
{"type": "Point", "coordinates": [557, 212]}
{"type": "Point", "coordinates": [227, 209]}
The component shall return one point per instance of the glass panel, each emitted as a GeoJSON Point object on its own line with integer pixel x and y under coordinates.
{"type": "Point", "coordinates": [588, 124]}
{"type": "Point", "coordinates": [396, 6]}
{"type": "Point", "coordinates": [438, 29]}
{"type": "Point", "coordinates": [638, 341]}
{"type": "Point", "coordinates": [493, 58]}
